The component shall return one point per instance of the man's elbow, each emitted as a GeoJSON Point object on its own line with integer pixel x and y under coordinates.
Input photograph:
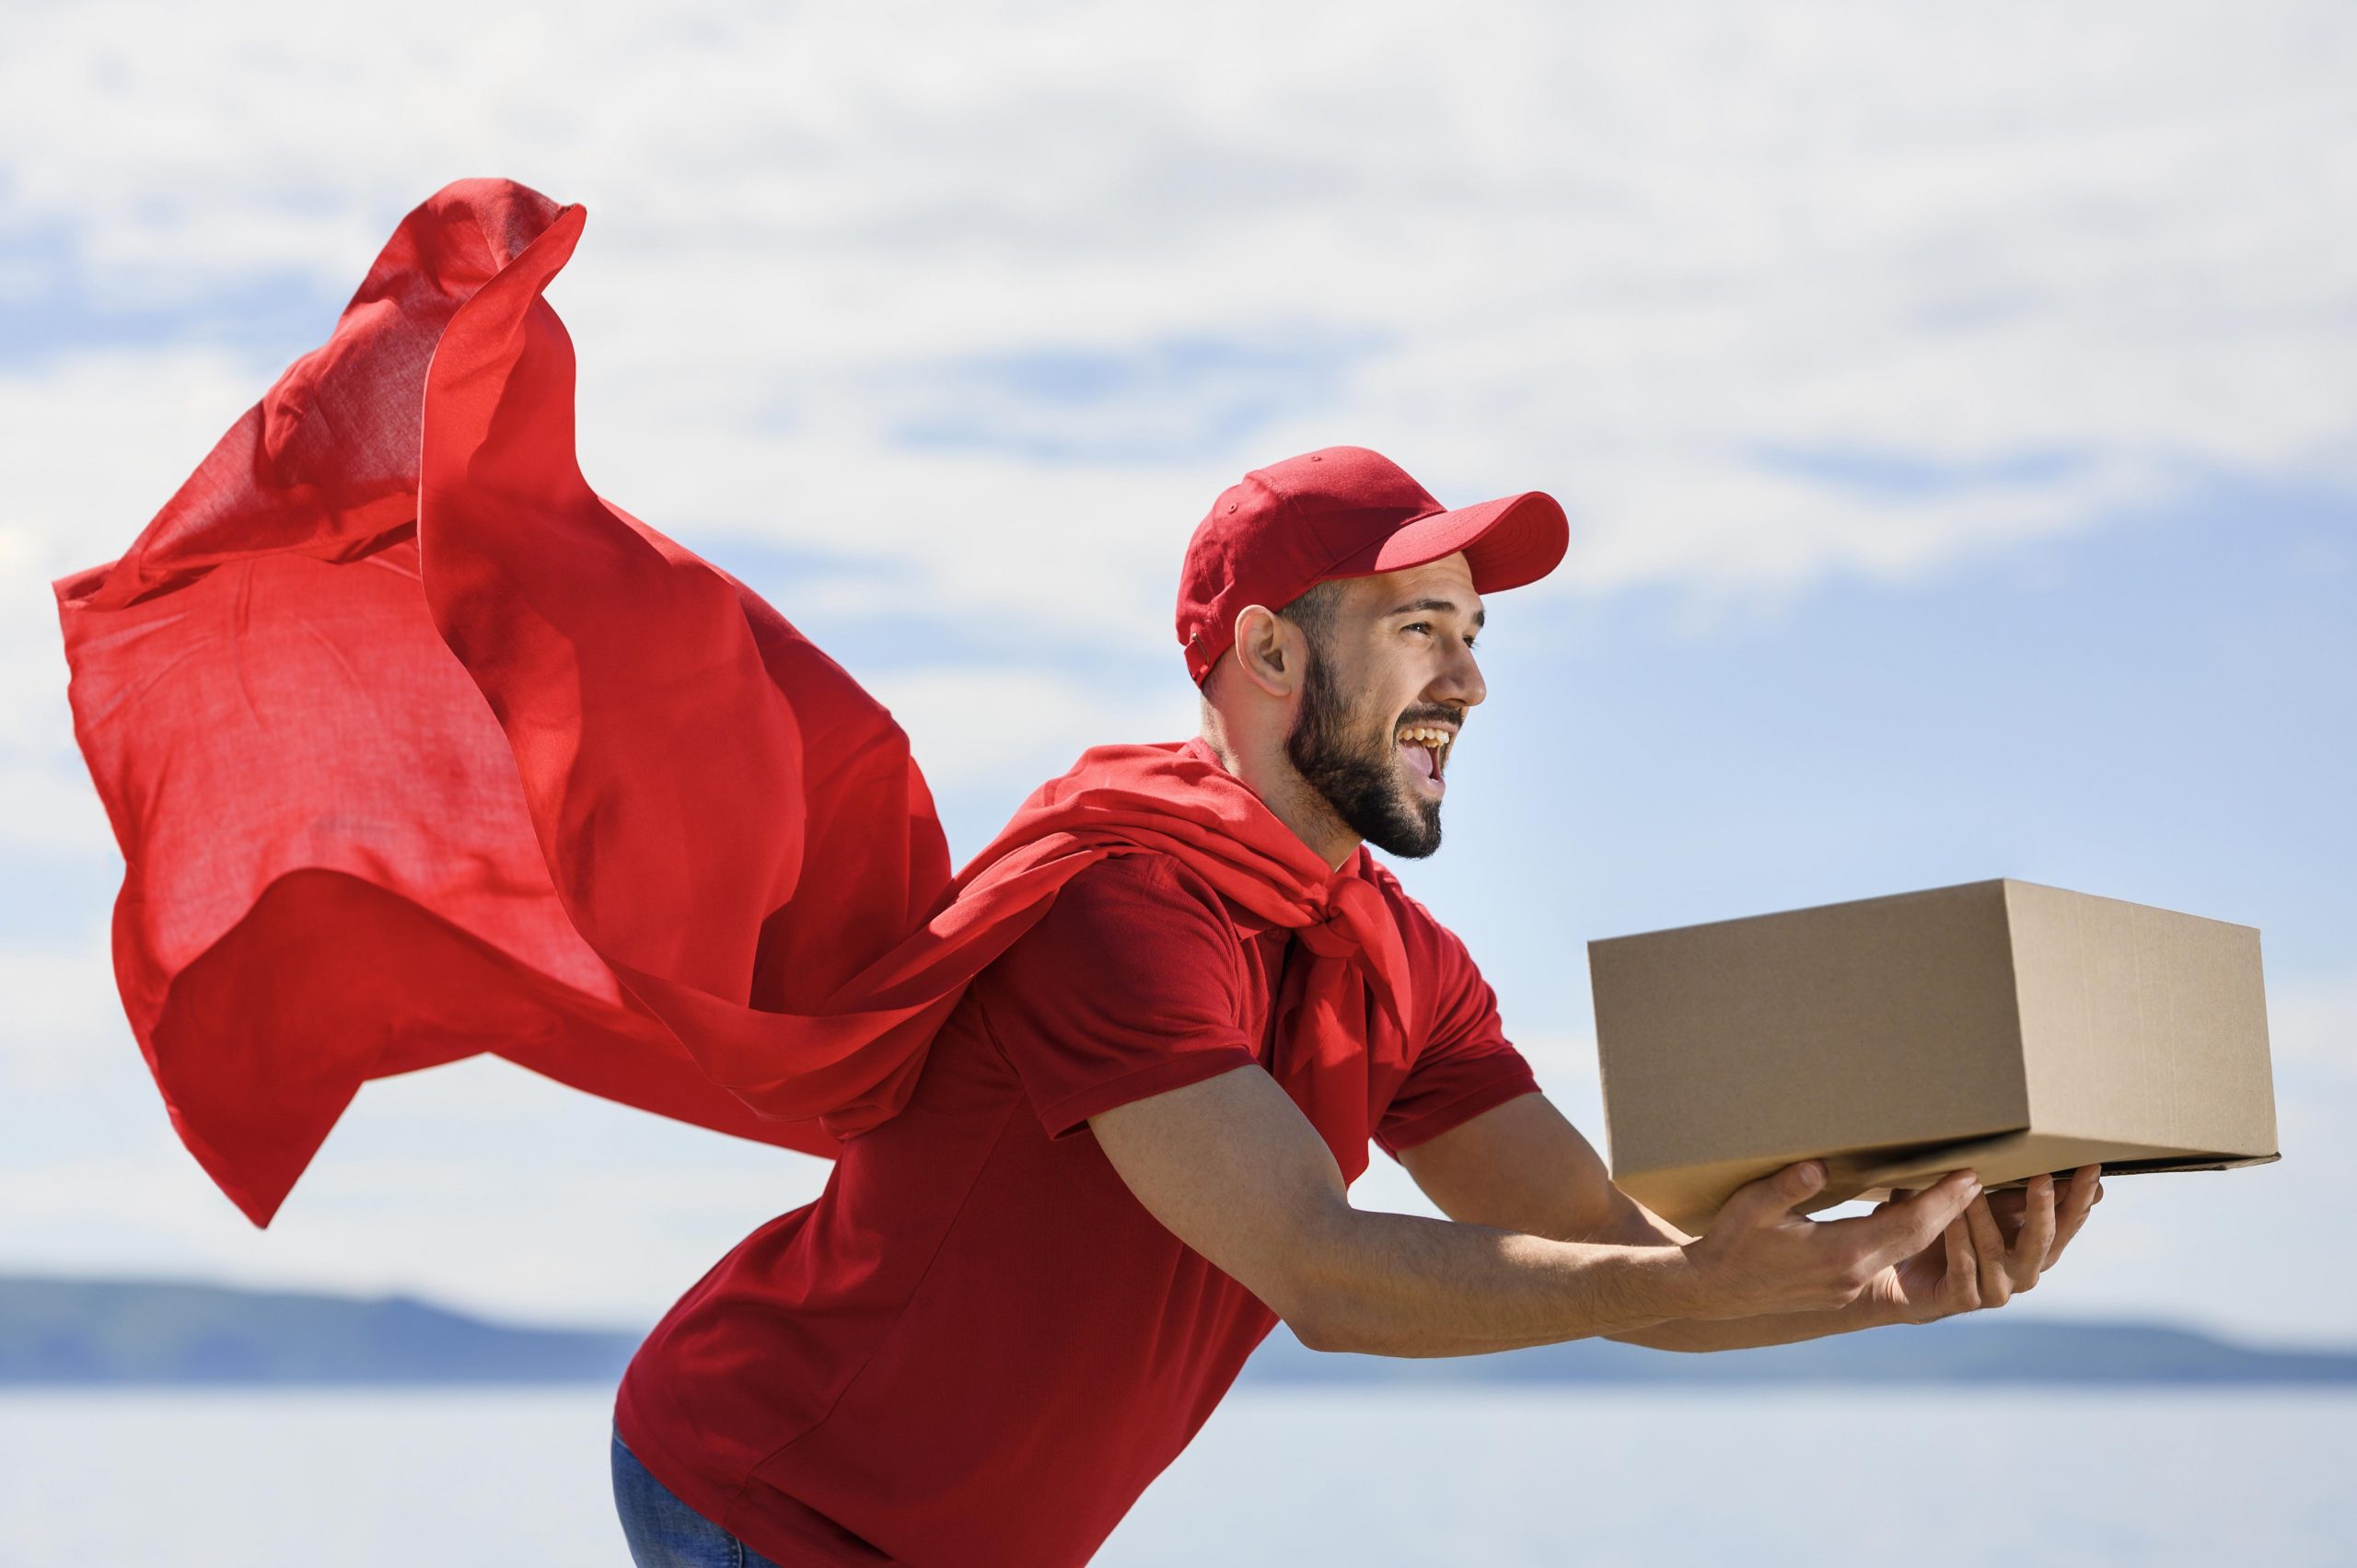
{"type": "Point", "coordinates": [1320, 1329]}
{"type": "Point", "coordinates": [1339, 1319]}
{"type": "Point", "coordinates": [1317, 1297]}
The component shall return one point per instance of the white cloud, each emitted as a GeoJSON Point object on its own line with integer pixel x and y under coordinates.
{"type": "Point", "coordinates": [1610, 253]}
{"type": "Point", "coordinates": [60, 1012]}
{"type": "Point", "coordinates": [1617, 255]}
{"type": "Point", "coordinates": [1023, 725]}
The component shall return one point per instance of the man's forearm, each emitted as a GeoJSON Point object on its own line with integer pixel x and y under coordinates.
{"type": "Point", "coordinates": [1745, 1333]}
{"type": "Point", "coordinates": [1398, 1284]}
{"type": "Point", "coordinates": [1407, 1286]}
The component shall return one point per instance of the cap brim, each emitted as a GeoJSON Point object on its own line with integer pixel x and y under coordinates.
{"type": "Point", "coordinates": [1507, 543]}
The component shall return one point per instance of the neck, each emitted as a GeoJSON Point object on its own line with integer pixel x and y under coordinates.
{"type": "Point", "coordinates": [1265, 770]}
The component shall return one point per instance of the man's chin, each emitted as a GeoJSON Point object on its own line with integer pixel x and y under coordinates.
{"type": "Point", "coordinates": [1412, 827]}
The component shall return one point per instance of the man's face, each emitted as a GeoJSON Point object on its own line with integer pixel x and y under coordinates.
{"type": "Point", "coordinates": [1389, 680]}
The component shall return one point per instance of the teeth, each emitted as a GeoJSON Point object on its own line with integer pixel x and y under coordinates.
{"type": "Point", "coordinates": [1439, 741]}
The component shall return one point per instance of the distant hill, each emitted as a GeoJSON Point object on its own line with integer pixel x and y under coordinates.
{"type": "Point", "coordinates": [66, 1331]}
{"type": "Point", "coordinates": [1985, 1349]}
{"type": "Point", "coordinates": [95, 1331]}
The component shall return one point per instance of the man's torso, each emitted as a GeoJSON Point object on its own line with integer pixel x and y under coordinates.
{"type": "Point", "coordinates": [977, 1346]}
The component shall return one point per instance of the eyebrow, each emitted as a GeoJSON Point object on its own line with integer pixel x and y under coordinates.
{"type": "Point", "coordinates": [1481, 617]}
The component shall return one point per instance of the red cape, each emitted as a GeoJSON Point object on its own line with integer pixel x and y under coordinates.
{"type": "Point", "coordinates": [417, 747]}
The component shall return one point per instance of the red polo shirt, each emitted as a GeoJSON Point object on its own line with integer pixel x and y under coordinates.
{"type": "Point", "coordinates": [977, 1348]}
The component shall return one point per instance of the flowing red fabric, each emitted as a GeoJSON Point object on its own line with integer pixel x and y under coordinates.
{"type": "Point", "coordinates": [416, 748]}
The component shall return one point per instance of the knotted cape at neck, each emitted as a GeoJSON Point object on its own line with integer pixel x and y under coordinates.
{"type": "Point", "coordinates": [417, 747]}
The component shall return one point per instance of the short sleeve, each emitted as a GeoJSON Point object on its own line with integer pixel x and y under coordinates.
{"type": "Point", "coordinates": [1467, 1065]}
{"type": "Point", "coordinates": [1131, 985]}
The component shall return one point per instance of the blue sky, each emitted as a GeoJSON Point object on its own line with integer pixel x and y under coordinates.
{"type": "Point", "coordinates": [1961, 462]}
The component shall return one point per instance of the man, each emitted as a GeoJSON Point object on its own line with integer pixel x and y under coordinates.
{"type": "Point", "coordinates": [409, 737]}
{"type": "Point", "coordinates": [1128, 1152]}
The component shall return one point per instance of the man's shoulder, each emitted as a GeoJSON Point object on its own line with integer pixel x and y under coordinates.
{"type": "Point", "coordinates": [1138, 875]}
{"type": "Point", "coordinates": [1130, 907]}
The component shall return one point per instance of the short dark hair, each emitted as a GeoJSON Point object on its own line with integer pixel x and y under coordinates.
{"type": "Point", "coordinates": [1313, 611]}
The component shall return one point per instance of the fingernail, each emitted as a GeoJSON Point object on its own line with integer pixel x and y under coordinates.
{"type": "Point", "coordinates": [1811, 1173]}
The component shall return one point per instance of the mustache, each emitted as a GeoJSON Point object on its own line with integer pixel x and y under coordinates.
{"type": "Point", "coordinates": [1454, 717]}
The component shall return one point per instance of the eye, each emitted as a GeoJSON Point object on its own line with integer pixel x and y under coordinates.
{"type": "Point", "coordinates": [1426, 628]}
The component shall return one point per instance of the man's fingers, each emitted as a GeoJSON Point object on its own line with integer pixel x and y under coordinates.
{"type": "Point", "coordinates": [1772, 1197]}
{"type": "Point", "coordinates": [1911, 1224]}
{"type": "Point", "coordinates": [2078, 1201]}
{"type": "Point", "coordinates": [1989, 1254]}
{"type": "Point", "coordinates": [1962, 1285]}
{"type": "Point", "coordinates": [2036, 1239]}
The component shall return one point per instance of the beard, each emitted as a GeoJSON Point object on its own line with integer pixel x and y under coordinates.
{"type": "Point", "coordinates": [1356, 769]}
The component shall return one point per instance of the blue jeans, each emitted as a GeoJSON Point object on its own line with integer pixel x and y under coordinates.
{"type": "Point", "coordinates": [664, 1532]}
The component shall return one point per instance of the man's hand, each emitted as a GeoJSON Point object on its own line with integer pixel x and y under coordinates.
{"type": "Point", "coordinates": [1996, 1248]}
{"type": "Point", "coordinates": [1760, 1257]}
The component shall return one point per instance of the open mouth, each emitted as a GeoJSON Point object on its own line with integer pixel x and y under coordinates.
{"type": "Point", "coordinates": [1425, 748]}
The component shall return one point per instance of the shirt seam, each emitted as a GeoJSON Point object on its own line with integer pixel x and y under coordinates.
{"type": "Point", "coordinates": [1517, 1081]}
{"type": "Point", "coordinates": [1234, 1055]}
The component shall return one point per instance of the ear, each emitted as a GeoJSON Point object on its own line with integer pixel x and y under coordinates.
{"type": "Point", "coordinates": [1271, 651]}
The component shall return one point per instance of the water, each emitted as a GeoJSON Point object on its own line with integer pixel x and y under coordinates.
{"type": "Point", "coordinates": [1651, 1479]}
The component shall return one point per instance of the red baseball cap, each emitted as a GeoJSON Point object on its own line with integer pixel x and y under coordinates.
{"type": "Point", "coordinates": [1345, 512]}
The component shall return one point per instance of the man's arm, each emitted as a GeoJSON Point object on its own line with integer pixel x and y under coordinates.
{"type": "Point", "coordinates": [1523, 1166]}
{"type": "Point", "coordinates": [1232, 1168]}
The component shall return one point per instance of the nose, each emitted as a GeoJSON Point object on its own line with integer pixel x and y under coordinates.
{"type": "Point", "coordinates": [1460, 679]}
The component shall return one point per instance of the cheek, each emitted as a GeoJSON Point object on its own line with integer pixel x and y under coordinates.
{"type": "Point", "coordinates": [1378, 681]}
{"type": "Point", "coordinates": [1387, 679]}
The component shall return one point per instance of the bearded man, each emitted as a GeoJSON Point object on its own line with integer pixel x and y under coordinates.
{"type": "Point", "coordinates": [418, 747]}
{"type": "Point", "coordinates": [1127, 1156]}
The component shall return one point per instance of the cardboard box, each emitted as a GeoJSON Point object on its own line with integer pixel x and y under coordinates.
{"type": "Point", "coordinates": [2003, 1026]}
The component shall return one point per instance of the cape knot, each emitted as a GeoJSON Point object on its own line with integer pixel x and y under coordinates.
{"type": "Point", "coordinates": [1344, 922]}
{"type": "Point", "coordinates": [1331, 937]}
{"type": "Point", "coordinates": [1352, 923]}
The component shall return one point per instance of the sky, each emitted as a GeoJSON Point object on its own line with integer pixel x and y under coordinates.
{"type": "Point", "coordinates": [1957, 413]}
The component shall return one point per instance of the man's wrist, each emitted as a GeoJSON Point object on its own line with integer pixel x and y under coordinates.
{"type": "Point", "coordinates": [1685, 1286]}
{"type": "Point", "coordinates": [1688, 1288]}
{"type": "Point", "coordinates": [1872, 1309]}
